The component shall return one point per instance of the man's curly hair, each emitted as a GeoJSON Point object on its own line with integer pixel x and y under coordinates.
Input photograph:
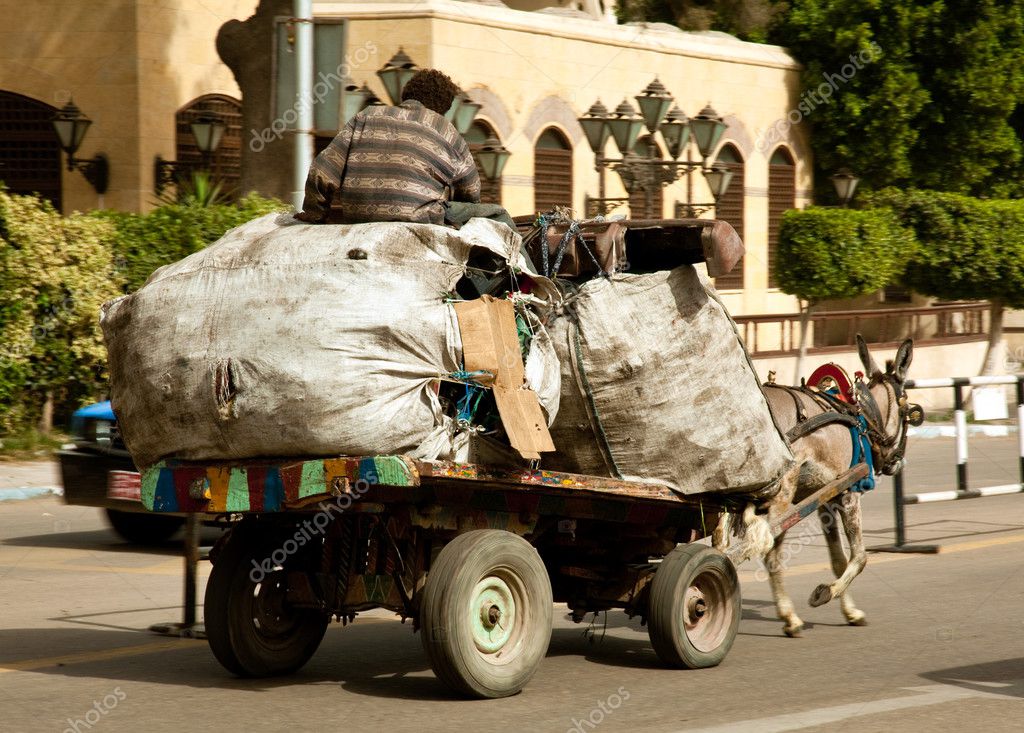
{"type": "Point", "coordinates": [431, 88]}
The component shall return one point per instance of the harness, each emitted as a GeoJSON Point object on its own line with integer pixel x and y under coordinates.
{"type": "Point", "coordinates": [862, 417]}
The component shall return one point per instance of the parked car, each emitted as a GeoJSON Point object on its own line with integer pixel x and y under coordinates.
{"type": "Point", "coordinates": [98, 471]}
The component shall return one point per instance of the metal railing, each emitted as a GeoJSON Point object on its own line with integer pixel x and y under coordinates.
{"type": "Point", "coordinates": [962, 491]}
{"type": "Point", "coordinates": [834, 331]}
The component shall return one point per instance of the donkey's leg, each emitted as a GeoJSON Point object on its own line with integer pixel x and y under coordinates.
{"type": "Point", "coordinates": [849, 510]}
{"type": "Point", "coordinates": [828, 514]}
{"type": "Point", "coordinates": [773, 561]}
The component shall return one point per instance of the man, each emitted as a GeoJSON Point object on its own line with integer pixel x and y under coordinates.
{"type": "Point", "coordinates": [404, 163]}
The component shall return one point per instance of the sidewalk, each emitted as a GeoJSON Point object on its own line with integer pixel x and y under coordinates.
{"type": "Point", "coordinates": [26, 479]}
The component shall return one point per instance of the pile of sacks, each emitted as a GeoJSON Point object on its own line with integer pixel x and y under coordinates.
{"type": "Point", "coordinates": [284, 339]}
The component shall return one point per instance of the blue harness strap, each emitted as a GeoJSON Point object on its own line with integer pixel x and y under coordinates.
{"type": "Point", "coordinates": [862, 454]}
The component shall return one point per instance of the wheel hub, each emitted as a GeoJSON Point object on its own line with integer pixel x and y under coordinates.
{"type": "Point", "coordinates": [493, 611]}
{"type": "Point", "coordinates": [707, 607]}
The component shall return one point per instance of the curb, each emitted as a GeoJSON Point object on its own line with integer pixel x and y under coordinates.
{"type": "Point", "coordinates": [29, 492]}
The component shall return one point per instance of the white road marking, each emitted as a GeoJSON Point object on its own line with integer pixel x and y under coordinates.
{"type": "Point", "coordinates": [927, 695]}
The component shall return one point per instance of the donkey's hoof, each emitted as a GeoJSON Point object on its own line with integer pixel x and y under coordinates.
{"type": "Point", "coordinates": [821, 595]}
{"type": "Point", "coordinates": [857, 619]}
{"type": "Point", "coordinates": [793, 630]}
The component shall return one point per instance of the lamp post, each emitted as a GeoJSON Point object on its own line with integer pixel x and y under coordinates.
{"type": "Point", "coordinates": [491, 158]}
{"type": "Point", "coordinates": [396, 73]}
{"type": "Point", "coordinates": [207, 131]}
{"type": "Point", "coordinates": [659, 115]}
{"type": "Point", "coordinates": [71, 125]}
{"type": "Point", "coordinates": [845, 184]}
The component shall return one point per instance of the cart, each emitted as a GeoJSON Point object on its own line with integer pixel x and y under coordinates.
{"type": "Point", "coordinates": [474, 556]}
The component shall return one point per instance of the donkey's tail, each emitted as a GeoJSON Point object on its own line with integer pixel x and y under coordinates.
{"type": "Point", "coordinates": [752, 531]}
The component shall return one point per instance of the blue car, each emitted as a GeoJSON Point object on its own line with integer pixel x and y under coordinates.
{"type": "Point", "coordinates": [100, 472]}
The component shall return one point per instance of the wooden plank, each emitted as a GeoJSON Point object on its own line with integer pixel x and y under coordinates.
{"type": "Point", "coordinates": [810, 505]}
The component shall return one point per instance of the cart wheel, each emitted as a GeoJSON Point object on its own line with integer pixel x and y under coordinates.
{"type": "Point", "coordinates": [486, 613]}
{"type": "Point", "coordinates": [252, 629]}
{"type": "Point", "coordinates": [142, 528]}
{"type": "Point", "coordinates": [694, 607]}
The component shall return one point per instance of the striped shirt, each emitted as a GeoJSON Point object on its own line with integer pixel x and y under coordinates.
{"type": "Point", "coordinates": [391, 164]}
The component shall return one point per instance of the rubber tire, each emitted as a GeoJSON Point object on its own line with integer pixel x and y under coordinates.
{"type": "Point", "coordinates": [235, 640]}
{"type": "Point", "coordinates": [446, 627]}
{"type": "Point", "coordinates": [665, 624]}
{"type": "Point", "coordinates": [142, 528]}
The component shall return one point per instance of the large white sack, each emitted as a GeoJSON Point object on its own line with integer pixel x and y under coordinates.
{"type": "Point", "coordinates": [288, 339]}
{"type": "Point", "coordinates": [657, 387]}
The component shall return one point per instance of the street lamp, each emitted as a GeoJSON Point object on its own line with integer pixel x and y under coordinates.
{"type": "Point", "coordinates": [353, 101]}
{"type": "Point", "coordinates": [396, 73]}
{"type": "Point", "coordinates": [71, 125]}
{"type": "Point", "coordinates": [658, 114]}
{"type": "Point", "coordinates": [492, 157]}
{"type": "Point", "coordinates": [625, 126]}
{"type": "Point", "coordinates": [462, 112]}
{"type": "Point", "coordinates": [707, 128]}
{"type": "Point", "coordinates": [207, 130]}
{"type": "Point", "coordinates": [845, 184]}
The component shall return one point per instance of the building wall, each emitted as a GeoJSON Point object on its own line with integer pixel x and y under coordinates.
{"type": "Point", "coordinates": [129, 65]}
{"type": "Point", "coordinates": [531, 70]}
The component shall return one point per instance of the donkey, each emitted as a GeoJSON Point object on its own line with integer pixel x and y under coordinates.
{"type": "Point", "coordinates": [822, 454]}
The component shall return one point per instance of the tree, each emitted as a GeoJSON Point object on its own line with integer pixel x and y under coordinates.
{"type": "Point", "coordinates": [827, 254]}
{"type": "Point", "coordinates": [968, 249]}
{"type": "Point", "coordinates": [936, 105]}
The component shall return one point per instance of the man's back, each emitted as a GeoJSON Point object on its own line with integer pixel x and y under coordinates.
{"type": "Point", "coordinates": [391, 164]}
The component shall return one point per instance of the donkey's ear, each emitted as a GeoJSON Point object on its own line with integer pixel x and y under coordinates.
{"type": "Point", "coordinates": [904, 356]}
{"type": "Point", "coordinates": [870, 367]}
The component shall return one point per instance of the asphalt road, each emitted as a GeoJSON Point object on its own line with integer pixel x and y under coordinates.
{"type": "Point", "coordinates": [943, 651]}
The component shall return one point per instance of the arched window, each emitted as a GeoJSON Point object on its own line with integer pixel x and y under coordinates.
{"type": "Point", "coordinates": [730, 209]}
{"type": "Point", "coordinates": [225, 164]}
{"type": "Point", "coordinates": [552, 170]}
{"type": "Point", "coordinates": [476, 136]}
{"type": "Point", "coordinates": [781, 198]}
{"type": "Point", "coordinates": [30, 156]}
{"type": "Point", "coordinates": [648, 149]}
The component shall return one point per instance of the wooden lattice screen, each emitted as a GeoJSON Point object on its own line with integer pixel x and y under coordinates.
{"type": "Point", "coordinates": [30, 156]}
{"type": "Point", "coordinates": [730, 209]}
{"type": "Point", "coordinates": [552, 171]}
{"type": "Point", "coordinates": [225, 163]}
{"type": "Point", "coordinates": [781, 198]}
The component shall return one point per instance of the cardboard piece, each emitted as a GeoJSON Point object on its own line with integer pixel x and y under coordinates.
{"type": "Point", "coordinates": [490, 343]}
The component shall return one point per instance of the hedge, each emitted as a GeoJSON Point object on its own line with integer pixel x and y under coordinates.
{"type": "Point", "coordinates": [826, 253]}
{"type": "Point", "coordinates": [55, 273]}
{"type": "Point", "coordinates": [969, 249]}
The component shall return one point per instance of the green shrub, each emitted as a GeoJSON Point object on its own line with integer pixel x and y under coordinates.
{"type": "Point", "coordinates": [969, 249]}
{"type": "Point", "coordinates": [55, 273]}
{"type": "Point", "coordinates": [169, 233]}
{"type": "Point", "coordinates": [828, 254]}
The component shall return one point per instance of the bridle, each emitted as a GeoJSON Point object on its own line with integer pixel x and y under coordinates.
{"type": "Point", "coordinates": [888, 450]}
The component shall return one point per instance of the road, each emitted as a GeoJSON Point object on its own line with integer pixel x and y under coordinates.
{"type": "Point", "coordinates": [943, 651]}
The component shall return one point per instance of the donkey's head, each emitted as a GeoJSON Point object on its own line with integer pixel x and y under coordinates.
{"type": "Point", "coordinates": [885, 406]}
